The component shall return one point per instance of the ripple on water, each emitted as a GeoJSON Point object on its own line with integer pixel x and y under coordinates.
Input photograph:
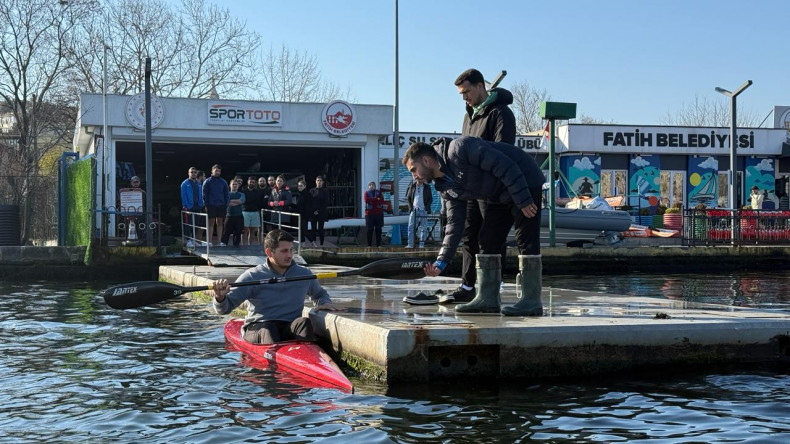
{"type": "Point", "coordinates": [75, 370]}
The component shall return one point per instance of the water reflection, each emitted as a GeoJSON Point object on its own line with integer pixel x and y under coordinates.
{"type": "Point", "coordinates": [764, 290]}
{"type": "Point", "coordinates": [74, 370]}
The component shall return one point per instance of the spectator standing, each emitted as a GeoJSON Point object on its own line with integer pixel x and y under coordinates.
{"type": "Point", "coordinates": [419, 198]}
{"type": "Point", "coordinates": [280, 200]}
{"type": "Point", "coordinates": [374, 213]}
{"type": "Point", "coordinates": [251, 211]}
{"type": "Point", "coordinates": [266, 196]}
{"type": "Point", "coordinates": [192, 201]}
{"type": "Point", "coordinates": [234, 220]}
{"type": "Point", "coordinates": [319, 201]}
{"type": "Point", "coordinates": [757, 198]}
{"type": "Point", "coordinates": [301, 199]}
{"type": "Point", "coordinates": [215, 196]}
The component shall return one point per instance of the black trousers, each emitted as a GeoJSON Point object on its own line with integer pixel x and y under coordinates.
{"type": "Point", "coordinates": [374, 222]}
{"type": "Point", "coordinates": [317, 226]}
{"type": "Point", "coordinates": [471, 238]}
{"type": "Point", "coordinates": [270, 332]}
{"type": "Point", "coordinates": [495, 223]}
{"type": "Point", "coordinates": [234, 225]}
{"type": "Point", "coordinates": [303, 219]}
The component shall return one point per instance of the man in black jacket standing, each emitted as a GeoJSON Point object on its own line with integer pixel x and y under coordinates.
{"type": "Point", "coordinates": [489, 118]}
{"type": "Point", "coordinates": [508, 183]}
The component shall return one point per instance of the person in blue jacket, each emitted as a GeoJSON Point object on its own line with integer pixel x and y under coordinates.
{"type": "Point", "coordinates": [192, 201]}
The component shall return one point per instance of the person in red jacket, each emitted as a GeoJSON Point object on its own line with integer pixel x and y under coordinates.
{"type": "Point", "coordinates": [280, 200]}
{"type": "Point", "coordinates": [374, 213]}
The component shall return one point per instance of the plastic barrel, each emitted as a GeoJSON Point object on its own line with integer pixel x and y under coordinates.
{"type": "Point", "coordinates": [9, 225]}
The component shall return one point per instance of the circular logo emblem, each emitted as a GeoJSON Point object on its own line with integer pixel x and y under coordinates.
{"type": "Point", "coordinates": [338, 118]}
{"type": "Point", "coordinates": [135, 111]}
{"type": "Point", "coordinates": [785, 121]}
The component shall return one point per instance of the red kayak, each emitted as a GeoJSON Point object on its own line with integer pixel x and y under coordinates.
{"type": "Point", "coordinates": [304, 359]}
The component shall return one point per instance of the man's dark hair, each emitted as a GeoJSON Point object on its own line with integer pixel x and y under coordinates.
{"type": "Point", "coordinates": [472, 75]}
{"type": "Point", "coordinates": [217, 166]}
{"type": "Point", "coordinates": [417, 151]}
{"type": "Point", "coordinates": [274, 237]}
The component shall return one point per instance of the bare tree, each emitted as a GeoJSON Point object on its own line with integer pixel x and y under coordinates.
{"type": "Point", "coordinates": [190, 48]}
{"type": "Point", "coordinates": [526, 107]}
{"type": "Point", "coordinates": [33, 38]}
{"type": "Point", "coordinates": [589, 120]}
{"type": "Point", "coordinates": [216, 50]}
{"type": "Point", "coordinates": [705, 112]}
{"type": "Point", "coordinates": [294, 76]}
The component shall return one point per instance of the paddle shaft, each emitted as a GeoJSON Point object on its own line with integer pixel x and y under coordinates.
{"type": "Point", "coordinates": [141, 294]}
{"type": "Point", "coordinates": [273, 280]}
{"type": "Point", "coordinates": [497, 80]}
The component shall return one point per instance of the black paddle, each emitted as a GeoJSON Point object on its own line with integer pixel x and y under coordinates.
{"type": "Point", "coordinates": [141, 294]}
{"type": "Point", "coordinates": [498, 79]}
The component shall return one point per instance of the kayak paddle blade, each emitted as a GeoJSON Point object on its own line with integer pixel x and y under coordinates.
{"type": "Point", "coordinates": [140, 294]}
{"type": "Point", "coordinates": [396, 268]}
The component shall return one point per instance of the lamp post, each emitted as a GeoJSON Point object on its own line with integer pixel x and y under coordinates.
{"type": "Point", "coordinates": [733, 136]}
{"type": "Point", "coordinates": [396, 133]}
{"type": "Point", "coordinates": [733, 149]}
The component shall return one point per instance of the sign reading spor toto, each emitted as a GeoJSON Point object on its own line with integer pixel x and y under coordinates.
{"type": "Point", "coordinates": [338, 118]}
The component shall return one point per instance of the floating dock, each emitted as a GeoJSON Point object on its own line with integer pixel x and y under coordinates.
{"type": "Point", "coordinates": [581, 333]}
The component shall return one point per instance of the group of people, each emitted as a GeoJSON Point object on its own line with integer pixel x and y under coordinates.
{"type": "Point", "coordinates": [418, 195]}
{"type": "Point", "coordinates": [234, 210]}
{"type": "Point", "coordinates": [487, 186]}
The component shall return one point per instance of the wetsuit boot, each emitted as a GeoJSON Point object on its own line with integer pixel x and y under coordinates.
{"type": "Point", "coordinates": [530, 284]}
{"type": "Point", "coordinates": [489, 276]}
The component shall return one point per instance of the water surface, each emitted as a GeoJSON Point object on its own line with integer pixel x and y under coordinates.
{"type": "Point", "coordinates": [74, 370]}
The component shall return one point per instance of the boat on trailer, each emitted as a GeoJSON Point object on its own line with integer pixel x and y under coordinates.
{"type": "Point", "coordinates": [582, 224]}
{"type": "Point", "coordinates": [305, 360]}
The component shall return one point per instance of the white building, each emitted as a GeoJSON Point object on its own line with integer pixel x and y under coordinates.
{"type": "Point", "coordinates": [337, 140]}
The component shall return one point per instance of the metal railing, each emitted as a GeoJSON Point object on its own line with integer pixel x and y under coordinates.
{"type": "Point", "coordinates": [194, 224]}
{"type": "Point", "coordinates": [128, 226]}
{"type": "Point", "coordinates": [281, 220]}
{"type": "Point", "coordinates": [736, 227]}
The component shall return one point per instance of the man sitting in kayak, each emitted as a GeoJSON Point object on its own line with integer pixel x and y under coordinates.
{"type": "Point", "coordinates": [273, 310]}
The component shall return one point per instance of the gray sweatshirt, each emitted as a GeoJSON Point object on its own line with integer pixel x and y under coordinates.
{"type": "Point", "coordinates": [282, 301]}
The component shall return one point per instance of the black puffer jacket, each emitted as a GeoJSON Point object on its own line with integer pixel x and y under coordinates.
{"type": "Point", "coordinates": [479, 170]}
{"type": "Point", "coordinates": [494, 121]}
{"type": "Point", "coordinates": [427, 197]}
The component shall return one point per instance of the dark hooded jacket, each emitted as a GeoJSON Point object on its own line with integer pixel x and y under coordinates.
{"type": "Point", "coordinates": [427, 196]}
{"type": "Point", "coordinates": [494, 120]}
{"type": "Point", "coordinates": [475, 169]}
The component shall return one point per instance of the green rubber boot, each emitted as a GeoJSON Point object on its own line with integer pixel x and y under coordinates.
{"type": "Point", "coordinates": [489, 276]}
{"type": "Point", "coordinates": [529, 282]}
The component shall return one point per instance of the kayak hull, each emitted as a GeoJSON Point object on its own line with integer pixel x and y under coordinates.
{"type": "Point", "coordinates": [304, 359]}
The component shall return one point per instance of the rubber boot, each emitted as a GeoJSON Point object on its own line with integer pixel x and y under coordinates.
{"type": "Point", "coordinates": [489, 275]}
{"type": "Point", "coordinates": [529, 282]}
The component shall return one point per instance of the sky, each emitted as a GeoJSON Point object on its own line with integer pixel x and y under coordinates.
{"type": "Point", "coordinates": [629, 62]}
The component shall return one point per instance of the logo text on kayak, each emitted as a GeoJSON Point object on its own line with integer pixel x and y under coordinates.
{"type": "Point", "coordinates": [124, 290]}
